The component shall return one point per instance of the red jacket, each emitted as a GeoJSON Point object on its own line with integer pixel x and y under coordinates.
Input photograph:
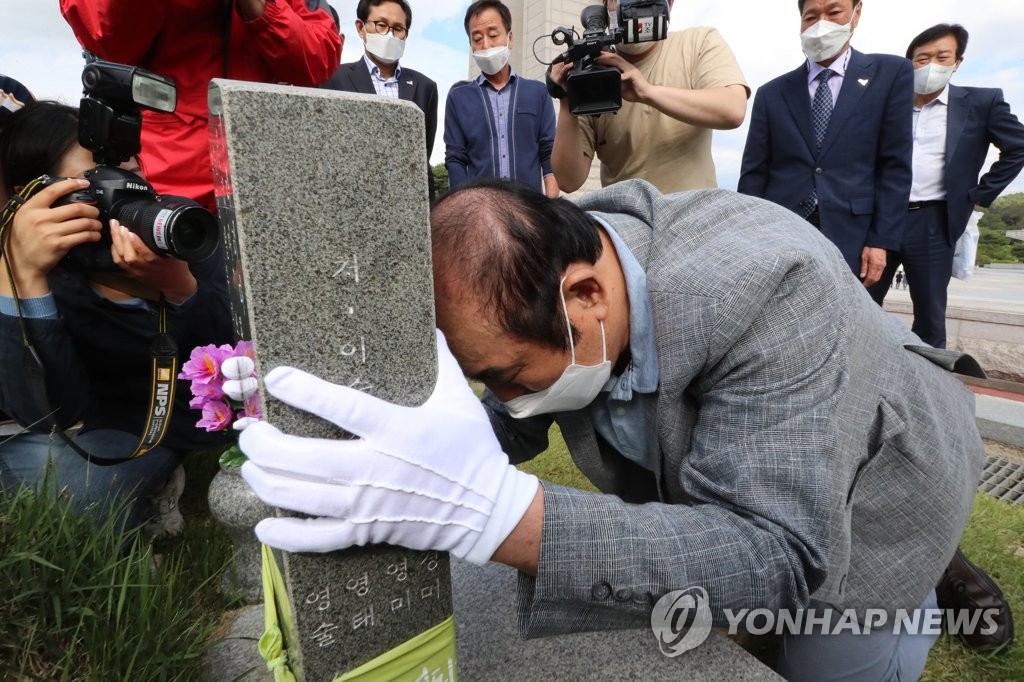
{"type": "Point", "coordinates": [183, 39]}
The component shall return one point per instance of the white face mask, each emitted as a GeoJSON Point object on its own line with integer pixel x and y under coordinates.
{"type": "Point", "coordinates": [824, 40]}
{"type": "Point", "coordinates": [574, 390]}
{"type": "Point", "coordinates": [932, 78]}
{"type": "Point", "coordinates": [385, 47]}
{"type": "Point", "coordinates": [492, 60]}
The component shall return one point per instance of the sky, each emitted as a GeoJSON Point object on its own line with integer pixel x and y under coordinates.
{"type": "Point", "coordinates": [38, 48]}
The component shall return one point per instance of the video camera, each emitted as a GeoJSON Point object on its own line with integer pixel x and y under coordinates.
{"type": "Point", "coordinates": [594, 89]}
{"type": "Point", "coordinates": [110, 126]}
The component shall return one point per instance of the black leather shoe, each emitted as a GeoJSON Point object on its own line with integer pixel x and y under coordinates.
{"type": "Point", "coordinates": [965, 586]}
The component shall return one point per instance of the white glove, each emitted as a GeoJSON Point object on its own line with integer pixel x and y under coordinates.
{"type": "Point", "coordinates": [427, 477]}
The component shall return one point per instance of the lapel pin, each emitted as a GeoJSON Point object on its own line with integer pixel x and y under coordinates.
{"type": "Point", "coordinates": [862, 81]}
{"type": "Point", "coordinates": [408, 82]}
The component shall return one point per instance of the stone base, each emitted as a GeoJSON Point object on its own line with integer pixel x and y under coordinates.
{"type": "Point", "coordinates": [993, 337]}
{"type": "Point", "coordinates": [1001, 360]}
{"type": "Point", "coordinates": [236, 657]}
{"type": "Point", "coordinates": [1001, 420]}
{"type": "Point", "coordinates": [489, 646]}
{"type": "Point", "coordinates": [237, 509]}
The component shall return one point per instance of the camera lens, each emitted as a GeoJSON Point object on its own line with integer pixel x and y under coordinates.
{"type": "Point", "coordinates": [189, 234]}
{"type": "Point", "coordinates": [171, 226]}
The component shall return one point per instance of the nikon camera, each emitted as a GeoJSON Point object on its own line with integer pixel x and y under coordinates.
{"type": "Point", "coordinates": [593, 89]}
{"type": "Point", "coordinates": [110, 126]}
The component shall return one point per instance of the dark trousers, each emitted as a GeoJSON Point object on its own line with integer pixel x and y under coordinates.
{"type": "Point", "coordinates": [927, 259]}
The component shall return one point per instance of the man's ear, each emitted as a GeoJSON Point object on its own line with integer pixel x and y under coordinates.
{"type": "Point", "coordinates": [583, 290]}
{"type": "Point", "coordinates": [855, 17]}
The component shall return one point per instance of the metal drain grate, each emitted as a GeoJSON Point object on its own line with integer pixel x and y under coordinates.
{"type": "Point", "coordinates": [1003, 480]}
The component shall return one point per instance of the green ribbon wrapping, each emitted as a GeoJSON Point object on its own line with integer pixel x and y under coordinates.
{"type": "Point", "coordinates": [275, 601]}
{"type": "Point", "coordinates": [427, 657]}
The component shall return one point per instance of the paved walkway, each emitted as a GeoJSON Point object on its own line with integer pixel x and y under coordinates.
{"type": "Point", "coordinates": [993, 290]}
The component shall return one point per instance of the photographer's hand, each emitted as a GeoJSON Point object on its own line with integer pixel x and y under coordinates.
{"type": "Point", "coordinates": [427, 477]}
{"type": "Point", "coordinates": [559, 71]}
{"type": "Point", "coordinates": [719, 108]}
{"type": "Point", "coordinates": [40, 236]}
{"type": "Point", "coordinates": [634, 86]}
{"type": "Point", "coordinates": [169, 275]}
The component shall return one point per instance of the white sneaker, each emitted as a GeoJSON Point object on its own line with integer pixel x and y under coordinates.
{"type": "Point", "coordinates": [165, 517]}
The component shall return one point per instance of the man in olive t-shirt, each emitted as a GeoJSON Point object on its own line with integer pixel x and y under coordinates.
{"type": "Point", "coordinates": [675, 92]}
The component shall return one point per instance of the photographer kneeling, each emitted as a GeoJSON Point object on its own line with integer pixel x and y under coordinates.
{"type": "Point", "coordinates": [93, 332]}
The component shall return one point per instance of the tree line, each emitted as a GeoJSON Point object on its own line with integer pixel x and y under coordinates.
{"type": "Point", "coordinates": [1006, 213]}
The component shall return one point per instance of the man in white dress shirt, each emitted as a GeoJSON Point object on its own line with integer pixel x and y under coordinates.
{"type": "Point", "coordinates": [953, 127]}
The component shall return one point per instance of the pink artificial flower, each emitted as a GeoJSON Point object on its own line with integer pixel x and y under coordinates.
{"type": "Point", "coordinates": [205, 370]}
{"type": "Point", "coordinates": [245, 348]}
{"type": "Point", "coordinates": [204, 393]}
{"type": "Point", "coordinates": [253, 408]}
{"type": "Point", "coordinates": [203, 365]}
{"type": "Point", "coordinates": [216, 416]}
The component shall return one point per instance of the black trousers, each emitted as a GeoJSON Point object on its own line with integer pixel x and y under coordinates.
{"type": "Point", "coordinates": [927, 259]}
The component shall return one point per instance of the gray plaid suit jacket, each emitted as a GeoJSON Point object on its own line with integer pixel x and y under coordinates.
{"type": "Point", "coordinates": [804, 449]}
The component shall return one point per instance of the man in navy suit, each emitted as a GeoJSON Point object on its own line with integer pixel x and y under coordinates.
{"type": "Point", "coordinates": [842, 162]}
{"type": "Point", "coordinates": [383, 26]}
{"type": "Point", "coordinates": [953, 128]}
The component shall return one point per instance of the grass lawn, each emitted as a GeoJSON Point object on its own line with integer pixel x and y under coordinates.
{"type": "Point", "coordinates": [82, 600]}
{"type": "Point", "coordinates": [994, 540]}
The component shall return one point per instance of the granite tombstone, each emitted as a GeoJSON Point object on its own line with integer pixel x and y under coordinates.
{"type": "Point", "coordinates": [325, 214]}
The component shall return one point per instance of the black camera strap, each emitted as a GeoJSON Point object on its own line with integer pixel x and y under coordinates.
{"type": "Point", "coordinates": [12, 205]}
{"type": "Point", "coordinates": [163, 360]}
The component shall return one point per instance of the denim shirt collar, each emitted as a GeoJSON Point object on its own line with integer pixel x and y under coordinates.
{"type": "Point", "coordinates": [642, 373]}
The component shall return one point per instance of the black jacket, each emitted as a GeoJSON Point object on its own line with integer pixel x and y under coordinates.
{"type": "Point", "coordinates": [97, 357]}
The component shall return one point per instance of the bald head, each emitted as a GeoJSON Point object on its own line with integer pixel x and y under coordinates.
{"type": "Point", "coordinates": [468, 233]}
{"type": "Point", "coordinates": [502, 248]}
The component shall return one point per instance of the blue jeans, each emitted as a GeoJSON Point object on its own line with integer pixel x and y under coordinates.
{"type": "Point", "coordinates": [877, 657]}
{"type": "Point", "coordinates": [28, 458]}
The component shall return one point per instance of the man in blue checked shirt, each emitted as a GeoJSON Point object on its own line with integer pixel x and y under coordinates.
{"type": "Point", "coordinates": [499, 125]}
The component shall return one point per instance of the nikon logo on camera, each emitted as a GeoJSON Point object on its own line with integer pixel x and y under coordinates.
{"type": "Point", "coordinates": [136, 186]}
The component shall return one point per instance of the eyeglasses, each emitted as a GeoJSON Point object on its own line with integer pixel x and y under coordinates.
{"type": "Point", "coordinates": [397, 30]}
